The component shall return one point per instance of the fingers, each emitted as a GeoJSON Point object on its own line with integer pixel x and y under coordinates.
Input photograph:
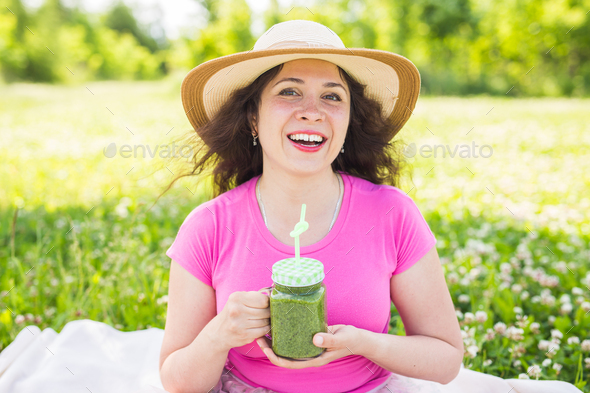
{"type": "Point", "coordinates": [255, 323]}
{"type": "Point", "coordinates": [256, 299]}
{"type": "Point", "coordinates": [266, 290]}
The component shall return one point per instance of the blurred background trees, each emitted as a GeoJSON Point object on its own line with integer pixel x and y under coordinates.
{"type": "Point", "coordinates": [519, 47]}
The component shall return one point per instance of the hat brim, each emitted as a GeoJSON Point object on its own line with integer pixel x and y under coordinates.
{"type": "Point", "coordinates": [391, 79]}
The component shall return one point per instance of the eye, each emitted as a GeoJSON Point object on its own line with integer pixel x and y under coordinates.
{"type": "Point", "coordinates": [336, 96]}
{"type": "Point", "coordinates": [288, 90]}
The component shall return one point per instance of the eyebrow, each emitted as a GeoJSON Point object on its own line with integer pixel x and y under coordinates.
{"type": "Point", "coordinates": [301, 82]}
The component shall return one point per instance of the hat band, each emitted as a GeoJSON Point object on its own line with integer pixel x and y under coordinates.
{"type": "Point", "coordinates": [300, 44]}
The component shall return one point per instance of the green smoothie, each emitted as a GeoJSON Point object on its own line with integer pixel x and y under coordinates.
{"type": "Point", "coordinates": [296, 315]}
{"type": "Point", "coordinates": [297, 302]}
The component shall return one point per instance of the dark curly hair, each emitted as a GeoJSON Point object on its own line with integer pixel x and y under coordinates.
{"type": "Point", "coordinates": [225, 144]}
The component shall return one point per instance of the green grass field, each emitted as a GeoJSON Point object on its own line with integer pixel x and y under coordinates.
{"type": "Point", "coordinates": [512, 226]}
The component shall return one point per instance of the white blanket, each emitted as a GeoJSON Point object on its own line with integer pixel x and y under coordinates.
{"type": "Point", "coordinates": [89, 356]}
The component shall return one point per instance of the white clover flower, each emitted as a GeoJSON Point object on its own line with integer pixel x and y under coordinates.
{"type": "Point", "coordinates": [469, 317]}
{"type": "Point", "coordinates": [585, 346]}
{"type": "Point", "coordinates": [50, 311]}
{"type": "Point", "coordinates": [141, 297]}
{"type": "Point", "coordinates": [536, 299]}
{"type": "Point", "coordinates": [535, 327]}
{"type": "Point", "coordinates": [565, 298]}
{"type": "Point", "coordinates": [487, 362]}
{"type": "Point", "coordinates": [553, 348]}
{"type": "Point", "coordinates": [551, 319]}
{"type": "Point", "coordinates": [500, 327]}
{"type": "Point", "coordinates": [517, 310]}
{"type": "Point", "coordinates": [556, 334]}
{"type": "Point", "coordinates": [506, 268]}
{"type": "Point", "coordinates": [489, 335]}
{"type": "Point", "coordinates": [573, 340]}
{"type": "Point", "coordinates": [552, 281]}
{"type": "Point", "coordinates": [587, 361]}
{"type": "Point", "coordinates": [459, 314]}
{"type": "Point", "coordinates": [481, 316]}
{"type": "Point", "coordinates": [517, 288]}
{"type": "Point", "coordinates": [515, 333]}
{"type": "Point", "coordinates": [534, 371]}
{"type": "Point", "coordinates": [566, 308]}
{"type": "Point", "coordinates": [544, 345]}
{"type": "Point", "coordinates": [19, 319]}
{"type": "Point", "coordinates": [162, 300]}
{"type": "Point", "coordinates": [577, 291]}
{"type": "Point", "coordinates": [585, 306]}
{"type": "Point", "coordinates": [557, 367]}
{"type": "Point", "coordinates": [464, 298]}
{"type": "Point", "coordinates": [472, 351]}
{"type": "Point", "coordinates": [523, 376]}
{"type": "Point", "coordinates": [523, 321]}
{"type": "Point", "coordinates": [548, 300]}
{"type": "Point", "coordinates": [561, 267]}
{"type": "Point", "coordinates": [524, 295]}
{"type": "Point", "coordinates": [452, 278]}
{"type": "Point", "coordinates": [517, 363]}
{"type": "Point", "coordinates": [580, 300]}
{"type": "Point", "coordinates": [546, 362]}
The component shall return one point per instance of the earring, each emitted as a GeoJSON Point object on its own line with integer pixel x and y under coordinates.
{"type": "Point", "coordinates": [254, 141]}
{"type": "Point", "coordinates": [342, 150]}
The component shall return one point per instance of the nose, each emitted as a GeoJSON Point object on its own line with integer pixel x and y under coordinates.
{"type": "Point", "coordinates": [310, 110]}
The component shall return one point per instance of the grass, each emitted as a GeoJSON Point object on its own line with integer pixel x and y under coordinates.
{"type": "Point", "coordinates": [78, 241]}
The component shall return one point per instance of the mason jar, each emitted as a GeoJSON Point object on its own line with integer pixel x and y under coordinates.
{"type": "Point", "coordinates": [297, 308]}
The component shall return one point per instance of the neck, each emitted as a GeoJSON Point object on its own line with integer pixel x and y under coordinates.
{"type": "Point", "coordinates": [283, 193]}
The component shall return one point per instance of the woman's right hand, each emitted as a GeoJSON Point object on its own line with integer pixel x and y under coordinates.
{"type": "Point", "coordinates": [244, 318]}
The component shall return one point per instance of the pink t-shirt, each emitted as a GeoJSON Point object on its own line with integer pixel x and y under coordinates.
{"type": "Point", "coordinates": [378, 232]}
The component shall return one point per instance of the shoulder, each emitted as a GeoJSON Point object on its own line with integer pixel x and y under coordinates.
{"type": "Point", "coordinates": [383, 195]}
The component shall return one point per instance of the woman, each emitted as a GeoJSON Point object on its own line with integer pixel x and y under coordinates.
{"type": "Point", "coordinates": [301, 119]}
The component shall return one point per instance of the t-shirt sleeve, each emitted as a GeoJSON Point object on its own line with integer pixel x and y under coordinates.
{"type": "Point", "coordinates": [413, 237]}
{"type": "Point", "coordinates": [193, 246]}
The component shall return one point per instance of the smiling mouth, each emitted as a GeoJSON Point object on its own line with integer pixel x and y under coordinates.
{"type": "Point", "coordinates": [307, 140]}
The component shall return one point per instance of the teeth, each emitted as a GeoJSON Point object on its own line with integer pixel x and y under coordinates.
{"type": "Point", "coordinates": [306, 137]}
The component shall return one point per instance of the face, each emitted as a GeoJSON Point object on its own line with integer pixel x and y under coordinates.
{"type": "Point", "coordinates": [307, 97]}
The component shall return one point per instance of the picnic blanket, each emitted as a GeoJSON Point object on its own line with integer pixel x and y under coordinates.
{"type": "Point", "coordinates": [91, 356]}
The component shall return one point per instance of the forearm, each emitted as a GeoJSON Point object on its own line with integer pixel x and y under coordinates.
{"type": "Point", "coordinates": [196, 368]}
{"type": "Point", "coordinates": [416, 356]}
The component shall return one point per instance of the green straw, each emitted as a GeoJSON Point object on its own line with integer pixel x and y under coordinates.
{"type": "Point", "coordinates": [300, 227]}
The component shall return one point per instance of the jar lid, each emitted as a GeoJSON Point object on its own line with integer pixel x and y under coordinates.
{"type": "Point", "coordinates": [308, 272]}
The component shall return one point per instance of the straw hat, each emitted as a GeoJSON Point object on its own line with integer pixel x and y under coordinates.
{"type": "Point", "coordinates": [391, 79]}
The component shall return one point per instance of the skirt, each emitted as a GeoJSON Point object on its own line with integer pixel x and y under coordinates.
{"type": "Point", "coordinates": [468, 381]}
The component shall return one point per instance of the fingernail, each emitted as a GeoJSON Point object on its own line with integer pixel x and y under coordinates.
{"type": "Point", "coordinates": [319, 340]}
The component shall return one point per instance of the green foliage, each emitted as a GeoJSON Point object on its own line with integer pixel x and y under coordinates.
{"type": "Point", "coordinates": [60, 44]}
{"type": "Point", "coordinates": [121, 19]}
{"type": "Point", "coordinates": [461, 47]}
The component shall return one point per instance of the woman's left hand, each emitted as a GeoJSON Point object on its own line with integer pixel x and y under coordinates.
{"type": "Point", "coordinates": [339, 342]}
